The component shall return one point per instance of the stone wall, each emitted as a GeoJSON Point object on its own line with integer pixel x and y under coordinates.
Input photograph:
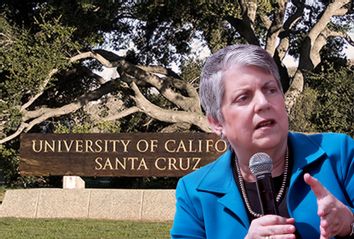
{"type": "Point", "coordinates": [115, 204]}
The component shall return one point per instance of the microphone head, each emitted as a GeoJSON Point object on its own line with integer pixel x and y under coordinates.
{"type": "Point", "coordinates": [260, 163]}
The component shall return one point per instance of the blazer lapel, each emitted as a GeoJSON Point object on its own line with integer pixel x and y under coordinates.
{"type": "Point", "coordinates": [304, 153]}
{"type": "Point", "coordinates": [234, 202]}
{"type": "Point", "coordinates": [219, 180]}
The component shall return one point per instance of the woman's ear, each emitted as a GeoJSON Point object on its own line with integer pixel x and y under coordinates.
{"type": "Point", "coordinates": [215, 125]}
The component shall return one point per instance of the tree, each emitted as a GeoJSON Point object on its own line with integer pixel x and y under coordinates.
{"type": "Point", "coordinates": [50, 54]}
{"type": "Point", "coordinates": [326, 103]}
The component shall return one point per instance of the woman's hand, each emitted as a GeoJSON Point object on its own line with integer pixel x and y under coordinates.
{"type": "Point", "coordinates": [334, 215]}
{"type": "Point", "coordinates": [271, 227]}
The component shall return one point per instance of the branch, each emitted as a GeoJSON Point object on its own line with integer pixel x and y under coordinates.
{"type": "Point", "coordinates": [294, 91]}
{"type": "Point", "coordinates": [335, 8]}
{"type": "Point", "coordinates": [150, 73]}
{"type": "Point", "coordinates": [41, 90]}
{"type": "Point", "coordinates": [282, 48]}
{"type": "Point", "coordinates": [42, 114]}
{"type": "Point", "coordinates": [14, 135]}
{"type": "Point", "coordinates": [160, 70]}
{"type": "Point", "coordinates": [292, 19]}
{"type": "Point", "coordinates": [344, 35]}
{"type": "Point", "coordinates": [91, 54]}
{"type": "Point", "coordinates": [322, 40]}
{"type": "Point", "coordinates": [177, 127]}
{"type": "Point", "coordinates": [266, 21]}
{"type": "Point", "coordinates": [90, 73]}
{"type": "Point", "coordinates": [309, 53]}
{"type": "Point", "coordinates": [276, 27]}
{"type": "Point", "coordinates": [80, 56]}
{"type": "Point", "coordinates": [108, 55]}
{"type": "Point", "coordinates": [164, 85]}
{"type": "Point", "coordinates": [171, 116]}
{"type": "Point", "coordinates": [122, 114]}
{"type": "Point", "coordinates": [248, 10]}
{"type": "Point", "coordinates": [244, 26]}
{"type": "Point", "coordinates": [284, 33]}
{"type": "Point", "coordinates": [296, 16]}
{"type": "Point", "coordinates": [53, 112]}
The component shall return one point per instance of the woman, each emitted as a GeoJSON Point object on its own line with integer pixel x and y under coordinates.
{"type": "Point", "coordinates": [241, 93]}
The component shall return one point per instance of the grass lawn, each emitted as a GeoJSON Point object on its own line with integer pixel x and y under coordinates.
{"type": "Point", "coordinates": [81, 229]}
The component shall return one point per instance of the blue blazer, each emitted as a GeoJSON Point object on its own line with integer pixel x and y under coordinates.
{"type": "Point", "coordinates": [209, 204]}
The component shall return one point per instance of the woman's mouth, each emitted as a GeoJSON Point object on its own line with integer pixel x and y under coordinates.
{"type": "Point", "coordinates": [265, 123]}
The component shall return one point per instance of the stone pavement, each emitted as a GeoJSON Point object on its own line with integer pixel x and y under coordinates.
{"type": "Point", "coordinates": [116, 204]}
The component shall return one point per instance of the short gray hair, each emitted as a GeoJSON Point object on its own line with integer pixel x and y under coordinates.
{"type": "Point", "coordinates": [211, 87]}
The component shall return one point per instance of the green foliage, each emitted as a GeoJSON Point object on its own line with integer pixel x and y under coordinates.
{"type": "Point", "coordinates": [190, 71]}
{"type": "Point", "coordinates": [101, 127]}
{"type": "Point", "coordinates": [108, 127]}
{"type": "Point", "coordinates": [301, 113]}
{"type": "Point", "coordinates": [171, 25]}
{"type": "Point", "coordinates": [327, 102]}
{"type": "Point", "coordinates": [64, 129]}
{"type": "Point", "coordinates": [12, 116]}
{"type": "Point", "coordinates": [9, 163]}
{"type": "Point", "coordinates": [335, 99]}
{"type": "Point", "coordinates": [265, 5]}
{"type": "Point", "coordinates": [28, 59]}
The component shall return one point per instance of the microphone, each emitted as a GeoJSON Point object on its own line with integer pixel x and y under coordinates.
{"type": "Point", "coordinates": [261, 166]}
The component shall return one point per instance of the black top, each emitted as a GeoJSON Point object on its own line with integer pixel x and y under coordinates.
{"type": "Point", "coordinates": [252, 195]}
{"type": "Point", "coordinates": [251, 191]}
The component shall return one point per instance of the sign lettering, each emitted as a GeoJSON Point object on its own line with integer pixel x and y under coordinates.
{"type": "Point", "coordinates": [124, 154]}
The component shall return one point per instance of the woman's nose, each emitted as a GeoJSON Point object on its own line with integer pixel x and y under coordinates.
{"type": "Point", "coordinates": [261, 102]}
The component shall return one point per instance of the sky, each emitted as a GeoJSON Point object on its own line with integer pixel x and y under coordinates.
{"type": "Point", "coordinates": [202, 52]}
{"type": "Point", "coordinates": [350, 50]}
{"type": "Point", "coordinates": [107, 73]}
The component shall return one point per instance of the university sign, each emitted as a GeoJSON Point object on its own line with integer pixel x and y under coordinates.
{"type": "Point", "coordinates": [125, 154]}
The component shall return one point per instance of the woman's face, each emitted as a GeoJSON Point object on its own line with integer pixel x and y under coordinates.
{"type": "Point", "coordinates": [253, 108]}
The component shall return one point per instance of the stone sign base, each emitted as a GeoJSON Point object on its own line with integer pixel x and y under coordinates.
{"type": "Point", "coordinates": [115, 204]}
{"type": "Point", "coordinates": [73, 182]}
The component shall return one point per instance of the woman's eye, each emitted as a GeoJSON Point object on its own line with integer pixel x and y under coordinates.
{"type": "Point", "coordinates": [241, 98]}
{"type": "Point", "coordinates": [273, 90]}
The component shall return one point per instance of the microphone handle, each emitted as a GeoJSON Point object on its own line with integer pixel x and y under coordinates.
{"type": "Point", "coordinates": [266, 192]}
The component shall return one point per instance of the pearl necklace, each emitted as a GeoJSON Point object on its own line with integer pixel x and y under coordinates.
{"type": "Point", "coordinates": [281, 190]}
